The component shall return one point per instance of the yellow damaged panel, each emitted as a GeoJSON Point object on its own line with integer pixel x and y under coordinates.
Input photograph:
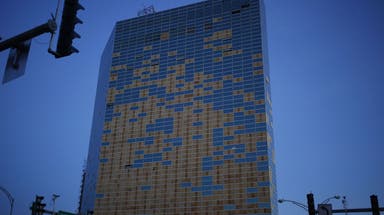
{"type": "Point", "coordinates": [172, 53]}
{"type": "Point", "coordinates": [224, 34]}
{"type": "Point", "coordinates": [257, 64]}
{"type": "Point", "coordinates": [232, 52]}
{"type": "Point", "coordinates": [207, 39]}
{"type": "Point", "coordinates": [146, 62]}
{"type": "Point", "coordinates": [217, 59]}
{"type": "Point", "coordinates": [147, 48]}
{"type": "Point", "coordinates": [222, 47]}
{"type": "Point", "coordinates": [190, 60]}
{"type": "Point", "coordinates": [257, 56]}
{"type": "Point", "coordinates": [261, 117]}
{"type": "Point", "coordinates": [113, 77]}
{"type": "Point", "coordinates": [260, 102]}
{"type": "Point", "coordinates": [116, 54]}
{"type": "Point", "coordinates": [218, 37]}
{"type": "Point", "coordinates": [238, 79]}
{"type": "Point", "coordinates": [164, 36]}
{"type": "Point", "coordinates": [208, 46]}
{"type": "Point", "coordinates": [217, 19]}
{"type": "Point", "coordinates": [156, 56]}
{"type": "Point", "coordinates": [118, 67]}
{"type": "Point", "coordinates": [227, 77]}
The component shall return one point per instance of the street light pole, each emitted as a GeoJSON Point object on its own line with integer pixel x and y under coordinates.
{"type": "Point", "coordinates": [12, 201]}
{"type": "Point", "coordinates": [10, 198]}
{"type": "Point", "coordinates": [54, 197]}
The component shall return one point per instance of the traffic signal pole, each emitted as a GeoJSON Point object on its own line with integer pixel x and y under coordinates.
{"type": "Point", "coordinates": [14, 42]}
{"type": "Point", "coordinates": [375, 209]}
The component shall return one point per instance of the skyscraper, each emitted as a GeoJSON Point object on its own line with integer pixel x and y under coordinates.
{"type": "Point", "coordinates": [183, 121]}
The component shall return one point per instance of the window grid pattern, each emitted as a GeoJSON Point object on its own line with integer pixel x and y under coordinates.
{"type": "Point", "coordinates": [188, 126]}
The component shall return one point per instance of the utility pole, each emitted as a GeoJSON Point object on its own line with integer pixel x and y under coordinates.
{"type": "Point", "coordinates": [311, 204]}
{"type": "Point", "coordinates": [375, 205]}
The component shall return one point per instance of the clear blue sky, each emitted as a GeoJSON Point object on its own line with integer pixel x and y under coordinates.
{"type": "Point", "coordinates": [327, 74]}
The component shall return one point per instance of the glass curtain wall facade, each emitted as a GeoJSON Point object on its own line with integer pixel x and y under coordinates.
{"type": "Point", "coordinates": [187, 123]}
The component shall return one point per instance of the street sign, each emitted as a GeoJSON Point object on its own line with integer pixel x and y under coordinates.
{"type": "Point", "coordinates": [17, 61]}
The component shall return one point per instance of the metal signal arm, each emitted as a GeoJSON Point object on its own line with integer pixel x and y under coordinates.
{"type": "Point", "coordinates": [48, 27]}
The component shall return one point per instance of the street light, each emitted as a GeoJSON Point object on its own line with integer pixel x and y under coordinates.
{"type": "Point", "coordinates": [328, 199]}
{"type": "Point", "coordinates": [295, 203]}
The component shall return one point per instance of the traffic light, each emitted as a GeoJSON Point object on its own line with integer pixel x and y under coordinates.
{"type": "Point", "coordinates": [67, 28]}
{"type": "Point", "coordinates": [311, 204]}
{"type": "Point", "coordinates": [37, 206]}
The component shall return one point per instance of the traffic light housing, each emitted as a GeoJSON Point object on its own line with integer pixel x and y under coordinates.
{"type": "Point", "coordinates": [67, 28]}
{"type": "Point", "coordinates": [37, 206]}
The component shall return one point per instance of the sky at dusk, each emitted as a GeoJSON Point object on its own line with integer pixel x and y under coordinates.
{"type": "Point", "coordinates": [327, 80]}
